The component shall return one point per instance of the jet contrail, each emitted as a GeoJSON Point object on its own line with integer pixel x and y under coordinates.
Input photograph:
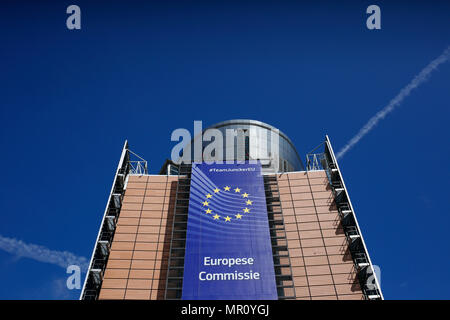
{"type": "Point", "coordinates": [418, 80]}
{"type": "Point", "coordinates": [42, 254]}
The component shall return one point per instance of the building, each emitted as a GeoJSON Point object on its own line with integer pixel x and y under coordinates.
{"type": "Point", "coordinates": [318, 251]}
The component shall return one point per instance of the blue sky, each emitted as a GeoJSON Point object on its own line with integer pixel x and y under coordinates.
{"type": "Point", "coordinates": [137, 70]}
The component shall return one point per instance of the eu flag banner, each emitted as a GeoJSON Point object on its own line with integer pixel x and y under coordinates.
{"type": "Point", "coordinates": [228, 249]}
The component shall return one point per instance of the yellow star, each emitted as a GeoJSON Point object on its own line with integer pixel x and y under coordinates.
{"type": "Point", "coordinates": [237, 190]}
{"type": "Point", "coordinates": [227, 218]}
{"type": "Point", "coordinates": [238, 216]}
{"type": "Point", "coordinates": [246, 210]}
{"type": "Point", "coordinates": [216, 190]}
{"type": "Point", "coordinates": [216, 217]}
{"type": "Point", "coordinates": [208, 195]}
{"type": "Point", "coordinates": [208, 211]}
{"type": "Point", "coordinates": [227, 188]}
{"type": "Point", "coordinates": [245, 195]}
{"type": "Point", "coordinates": [205, 203]}
{"type": "Point", "coordinates": [249, 202]}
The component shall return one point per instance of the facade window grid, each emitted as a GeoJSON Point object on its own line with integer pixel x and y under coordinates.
{"type": "Point", "coordinates": [304, 256]}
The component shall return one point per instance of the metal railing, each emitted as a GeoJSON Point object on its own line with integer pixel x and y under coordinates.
{"type": "Point", "coordinates": [314, 161]}
{"type": "Point", "coordinates": [138, 167]}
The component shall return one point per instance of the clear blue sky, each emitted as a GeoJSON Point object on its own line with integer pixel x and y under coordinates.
{"type": "Point", "coordinates": [137, 70]}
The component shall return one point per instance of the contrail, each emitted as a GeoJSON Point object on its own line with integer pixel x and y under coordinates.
{"type": "Point", "coordinates": [41, 253]}
{"type": "Point", "coordinates": [417, 81]}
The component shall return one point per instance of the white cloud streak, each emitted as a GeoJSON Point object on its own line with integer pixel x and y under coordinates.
{"type": "Point", "coordinates": [42, 254]}
{"type": "Point", "coordinates": [415, 82]}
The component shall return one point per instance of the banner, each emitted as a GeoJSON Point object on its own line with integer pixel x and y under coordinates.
{"type": "Point", "coordinates": [228, 249]}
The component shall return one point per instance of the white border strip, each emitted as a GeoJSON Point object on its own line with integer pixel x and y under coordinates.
{"type": "Point", "coordinates": [122, 157]}
{"type": "Point", "coordinates": [354, 215]}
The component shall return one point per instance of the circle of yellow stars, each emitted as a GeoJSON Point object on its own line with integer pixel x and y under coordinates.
{"type": "Point", "coordinates": [237, 216]}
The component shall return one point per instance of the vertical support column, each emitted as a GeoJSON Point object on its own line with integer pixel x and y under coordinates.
{"type": "Point", "coordinates": [176, 232]}
{"type": "Point", "coordinates": [291, 220]}
{"type": "Point", "coordinates": [280, 246]}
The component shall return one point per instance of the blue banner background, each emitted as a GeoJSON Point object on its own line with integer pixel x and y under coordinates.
{"type": "Point", "coordinates": [246, 236]}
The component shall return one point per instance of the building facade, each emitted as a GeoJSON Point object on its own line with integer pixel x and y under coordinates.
{"type": "Point", "coordinates": [317, 247]}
